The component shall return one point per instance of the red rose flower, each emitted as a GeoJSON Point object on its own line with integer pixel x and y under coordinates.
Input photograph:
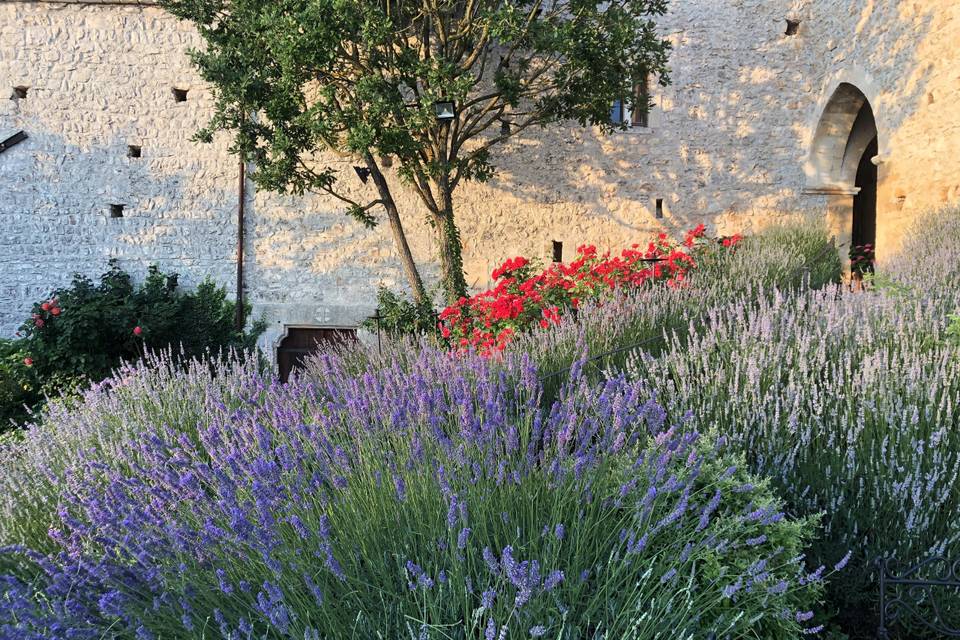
{"type": "Point", "coordinates": [45, 306]}
{"type": "Point", "coordinates": [28, 362]}
{"type": "Point", "coordinates": [55, 311]}
{"type": "Point", "coordinates": [137, 331]}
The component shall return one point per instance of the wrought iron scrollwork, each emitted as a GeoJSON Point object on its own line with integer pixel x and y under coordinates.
{"type": "Point", "coordinates": [914, 594]}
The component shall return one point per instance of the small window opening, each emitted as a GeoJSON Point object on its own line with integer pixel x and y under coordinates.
{"type": "Point", "coordinates": [659, 208]}
{"type": "Point", "coordinates": [793, 27]}
{"type": "Point", "coordinates": [133, 151]}
{"type": "Point", "coordinates": [641, 117]}
{"type": "Point", "coordinates": [116, 210]}
{"type": "Point", "coordinates": [621, 113]}
{"type": "Point", "coordinates": [557, 251]}
{"type": "Point", "coordinates": [504, 128]}
{"type": "Point", "coordinates": [180, 95]}
{"type": "Point", "coordinates": [20, 93]}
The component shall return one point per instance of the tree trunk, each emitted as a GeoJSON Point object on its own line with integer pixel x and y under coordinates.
{"type": "Point", "coordinates": [396, 227]}
{"type": "Point", "coordinates": [448, 240]}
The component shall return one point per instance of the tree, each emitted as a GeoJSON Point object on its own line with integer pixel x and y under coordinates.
{"type": "Point", "coordinates": [293, 79]}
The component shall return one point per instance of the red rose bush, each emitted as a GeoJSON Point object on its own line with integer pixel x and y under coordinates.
{"type": "Point", "coordinates": [523, 298]}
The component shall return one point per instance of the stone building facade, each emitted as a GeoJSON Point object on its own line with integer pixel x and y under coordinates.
{"type": "Point", "coordinates": [777, 108]}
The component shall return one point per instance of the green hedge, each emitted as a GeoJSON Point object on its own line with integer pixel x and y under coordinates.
{"type": "Point", "coordinates": [80, 333]}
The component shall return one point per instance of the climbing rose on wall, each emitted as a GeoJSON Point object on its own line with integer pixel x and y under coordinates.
{"type": "Point", "coordinates": [522, 298]}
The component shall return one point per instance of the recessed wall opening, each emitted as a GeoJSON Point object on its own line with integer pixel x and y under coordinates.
{"type": "Point", "coordinates": [659, 208]}
{"type": "Point", "coordinates": [793, 27]}
{"type": "Point", "coordinates": [180, 95]}
{"type": "Point", "coordinates": [302, 342]}
{"type": "Point", "coordinates": [116, 210]}
{"type": "Point", "coordinates": [20, 93]}
{"type": "Point", "coordinates": [557, 251]}
{"type": "Point", "coordinates": [133, 151]}
{"type": "Point", "coordinates": [843, 166]}
{"type": "Point", "coordinates": [865, 202]}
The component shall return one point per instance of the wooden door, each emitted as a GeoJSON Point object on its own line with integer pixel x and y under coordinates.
{"type": "Point", "coordinates": [303, 341]}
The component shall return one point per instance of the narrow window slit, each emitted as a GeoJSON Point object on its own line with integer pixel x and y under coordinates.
{"type": "Point", "coordinates": [557, 251]}
{"type": "Point", "coordinates": [793, 27]}
{"type": "Point", "coordinates": [133, 151]}
{"type": "Point", "coordinates": [180, 95]}
{"type": "Point", "coordinates": [20, 93]}
{"type": "Point", "coordinates": [659, 208]}
{"type": "Point", "coordinates": [116, 210]}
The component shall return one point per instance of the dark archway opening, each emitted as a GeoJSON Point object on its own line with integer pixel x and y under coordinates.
{"type": "Point", "coordinates": [302, 342]}
{"type": "Point", "coordinates": [865, 202]}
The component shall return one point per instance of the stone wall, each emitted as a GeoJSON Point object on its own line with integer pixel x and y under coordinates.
{"type": "Point", "coordinates": [903, 55]}
{"type": "Point", "coordinates": [728, 145]}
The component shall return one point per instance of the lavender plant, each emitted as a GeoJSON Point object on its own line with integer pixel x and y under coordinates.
{"type": "Point", "coordinates": [793, 255]}
{"type": "Point", "coordinates": [431, 500]}
{"type": "Point", "coordinates": [848, 401]}
{"type": "Point", "coordinates": [101, 424]}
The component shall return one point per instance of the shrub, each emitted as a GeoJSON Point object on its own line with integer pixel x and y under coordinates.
{"type": "Point", "coordinates": [848, 402]}
{"type": "Point", "coordinates": [787, 257]}
{"type": "Point", "coordinates": [401, 317]}
{"type": "Point", "coordinates": [18, 382]}
{"type": "Point", "coordinates": [82, 332]}
{"type": "Point", "coordinates": [523, 298]}
{"type": "Point", "coordinates": [439, 501]}
{"type": "Point", "coordinates": [797, 254]}
{"type": "Point", "coordinates": [99, 424]}
{"type": "Point", "coordinates": [953, 331]}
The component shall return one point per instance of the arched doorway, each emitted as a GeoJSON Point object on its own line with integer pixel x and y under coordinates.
{"type": "Point", "coordinates": [842, 165]}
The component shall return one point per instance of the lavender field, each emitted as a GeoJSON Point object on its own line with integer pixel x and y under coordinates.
{"type": "Point", "coordinates": [737, 475]}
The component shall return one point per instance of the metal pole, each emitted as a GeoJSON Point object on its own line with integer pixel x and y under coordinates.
{"type": "Point", "coordinates": [242, 197]}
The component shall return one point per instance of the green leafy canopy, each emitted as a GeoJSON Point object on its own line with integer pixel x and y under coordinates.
{"type": "Point", "coordinates": [293, 78]}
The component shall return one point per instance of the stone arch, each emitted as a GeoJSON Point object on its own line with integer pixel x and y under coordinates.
{"type": "Point", "coordinates": [847, 126]}
{"type": "Point", "coordinates": [842, 164]}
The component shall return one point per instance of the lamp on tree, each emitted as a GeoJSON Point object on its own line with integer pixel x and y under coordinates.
{"type": "Point", "coordinates": [444, 110]}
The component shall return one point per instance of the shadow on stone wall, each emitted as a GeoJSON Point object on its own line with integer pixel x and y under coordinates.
{"type": "Point", "coordinates": [56, 217]}
{"type": "Point", "coordinates": [732, 144]}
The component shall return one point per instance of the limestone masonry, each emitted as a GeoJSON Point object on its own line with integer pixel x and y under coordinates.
{"type": "Point", "coordinates": [757, 125]}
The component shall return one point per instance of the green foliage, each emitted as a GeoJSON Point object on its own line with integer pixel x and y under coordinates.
{"type": "Point", "coordinates": [400, 316]}
{"type": "Point", "coordinates": [788, 255]}
{"type": "Point", "coordinates": [884, 283]}
{"type": "Point", "coordinates": [82, 332]}
{"type": "Point", "coordinates": [18, 383]}
{"type": "Point", "coordinates": [953, 329]}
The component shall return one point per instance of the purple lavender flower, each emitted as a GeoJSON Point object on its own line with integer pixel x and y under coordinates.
{"type": "Point", "coordinates": [487, 597]}
{"type": "Point", "coordinates": [462, 538]}
{"type": "Point", "coordinates": [553, 580]}
{"type": "Point", "coordinates": [491, 630]}
{"type": "Point", "coordinates": [492, 563]}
